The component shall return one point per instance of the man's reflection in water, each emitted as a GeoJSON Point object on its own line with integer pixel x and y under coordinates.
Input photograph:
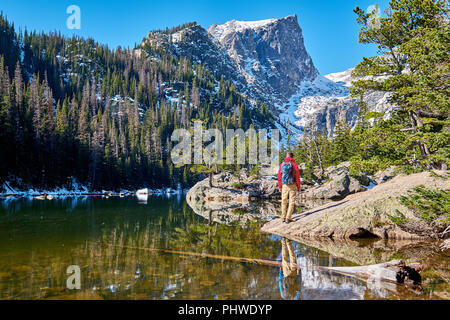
{"type": "Point", "coordinates": [290, 277]}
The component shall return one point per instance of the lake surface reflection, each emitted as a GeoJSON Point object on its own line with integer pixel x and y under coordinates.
{"type": "Point", "coordinates": [128, 248]}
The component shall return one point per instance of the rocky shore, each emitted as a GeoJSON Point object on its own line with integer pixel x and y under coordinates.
{"type": "Point", "coordinates": [342, 207]}
{"type": "Point", "coordinates": [76, 190]}
{"type": "Point", "coordinates": [235, 198]}
{"type": "Point", "coordinates": [364, 215]}
{"type": "Point", "coordinates": [244, 196]}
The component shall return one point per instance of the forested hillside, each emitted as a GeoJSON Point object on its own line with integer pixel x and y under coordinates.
{"type": "Point", "coordinates": [73, 108]}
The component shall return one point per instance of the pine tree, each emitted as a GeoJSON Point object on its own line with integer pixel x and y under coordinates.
{"type": "Point", "coordinates": [96, 135]}
{"type": "Point", "coordinates": [414, 41]}
{"type": "Point", "coordinates": [342, 147]}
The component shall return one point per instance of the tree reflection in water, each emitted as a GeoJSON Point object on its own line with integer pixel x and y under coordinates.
{"type": "Point", "coordinates": [126, 250]}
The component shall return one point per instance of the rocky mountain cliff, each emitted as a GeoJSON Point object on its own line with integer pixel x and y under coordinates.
{"type": "Point", "coordinates": [270, 54]}
{"type": "Point", "coordinates": [268, 62]}
{"type": "Point", "coordinates": [324, 111]}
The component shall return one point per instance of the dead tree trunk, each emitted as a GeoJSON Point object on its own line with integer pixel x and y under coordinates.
{"type": "Point", "coordinates": [395, 271]}
{"type": "Point", "coordinates": [210, 176]}
{"type": "Point", "coordinates": [269, 263]}
{"type": "Point", "coordinates": [319, 154]}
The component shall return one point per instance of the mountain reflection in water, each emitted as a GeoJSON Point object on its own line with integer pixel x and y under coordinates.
{"type": "Point", "coordinates": [129, 248]}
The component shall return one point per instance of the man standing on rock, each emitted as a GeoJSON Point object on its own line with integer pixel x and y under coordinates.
{"type": "Point", "coordinates": [289, 185]}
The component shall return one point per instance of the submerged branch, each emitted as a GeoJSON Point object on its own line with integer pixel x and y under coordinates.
{"type": "Point", "coordinates": [270, 263]}
{"type": "Point", "coordinates": [395, 271]}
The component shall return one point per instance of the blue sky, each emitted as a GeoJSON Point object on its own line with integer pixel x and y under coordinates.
{"type": "Point", "coordinates": [329, 27]}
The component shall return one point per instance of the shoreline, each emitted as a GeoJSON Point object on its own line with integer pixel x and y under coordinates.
{"type": "Point", "coordinates": [82, 191]}
{"type": "Point", "coordinates": [366, 214]}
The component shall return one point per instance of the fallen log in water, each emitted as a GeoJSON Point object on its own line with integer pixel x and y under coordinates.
{"type": "Point", "coordinates": [395, 271]}
{"type": "Point", "coordinates": [269, 263]}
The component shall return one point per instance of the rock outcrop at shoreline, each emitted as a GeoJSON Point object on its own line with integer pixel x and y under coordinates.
{"type": "Point", "coordinates": [339, 184]}
{"type": "Point", "coordinates": [234, 198]}
{"type": "Point", "coordinates": [367, 214]}
{"type": "Point", "coordinates": [242, 188]}
{"type": "Point", "coordinates": [255, 197]}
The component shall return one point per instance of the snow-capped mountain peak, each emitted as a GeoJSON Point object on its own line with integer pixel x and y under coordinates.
{"type": "Point", "coordinates": [219, 32]}
{"type": "Point", "coordinates": [268, 62]}
{"type": "Point", "coordinates": [270, 54]}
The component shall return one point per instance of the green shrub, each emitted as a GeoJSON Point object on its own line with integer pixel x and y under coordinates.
{"type": "Point", "coordinates": [398, 218]}
{"type": "Point", "coordinates": [307, 174]}
{"type": "Point", "coordinates": [429, 204]}
{"type": "Point", "coordinates": [239, 211]}
{"type": "Point", "coordinates": [238, 185]}
{"type": "Point", "coordinates": [410, 169]}
{"type": "Point", "coordinates": [255, 170]}
{"type": "Point", "coordinates": [433, 174]}
{"type": "Point", "coordinates": [370, 166]}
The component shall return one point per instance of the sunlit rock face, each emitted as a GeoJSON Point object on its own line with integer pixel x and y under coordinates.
{"type": "Point", "coordinates": [324, 111]}
{"type": "Point", "coordinates": [266, 60]}
{"type": "Point", "coordinates": [270, 53]}
{"type": "Point", "coordinates": [271, 57]}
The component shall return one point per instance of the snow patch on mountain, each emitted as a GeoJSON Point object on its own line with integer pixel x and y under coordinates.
{"type": "Point", "coordinates": [298, 112]}
{"type": "Point", "coordinates": [327, 100]}
{"type": "Point", "coordinates": [344, 77]}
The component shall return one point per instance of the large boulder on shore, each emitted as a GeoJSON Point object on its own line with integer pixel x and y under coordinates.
{"type": "Point", "coordinates": [367, 214]}
{"type": "Point", "coordinates": [338, 184]}
{"type": "Point", "coordinates": [386, 175]}
{"type": "Point", "coordinates": [229, 187]}
{"type": "Point", "coordinates": [234, 197]}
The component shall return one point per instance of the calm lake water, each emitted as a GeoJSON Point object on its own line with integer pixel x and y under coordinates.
{"type": "Point", "coordinates": [129, 249]}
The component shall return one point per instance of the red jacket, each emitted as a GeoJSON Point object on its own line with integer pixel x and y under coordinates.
{"type": "Point", "coordinates": [296, 173]}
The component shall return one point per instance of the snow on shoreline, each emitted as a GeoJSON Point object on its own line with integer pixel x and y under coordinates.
{"type": "Point", "coordinates": [6, 191]}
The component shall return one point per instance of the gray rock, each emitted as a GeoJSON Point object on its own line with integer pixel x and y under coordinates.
{"type": "Point", "coordinates": [386, 175]}
{"type": "Point", "coordinates": [364, 180]}
{"type": "Point", "coordinates": [338, 185]}
{"type": "Point", "coordinates": [327, 111]}
{"type": "Point", "coordinates": [270, 54]}
{"type": "Point", "coordinates": [368, 214]}
{"type": "Point", "coordinates": [224, 203]}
